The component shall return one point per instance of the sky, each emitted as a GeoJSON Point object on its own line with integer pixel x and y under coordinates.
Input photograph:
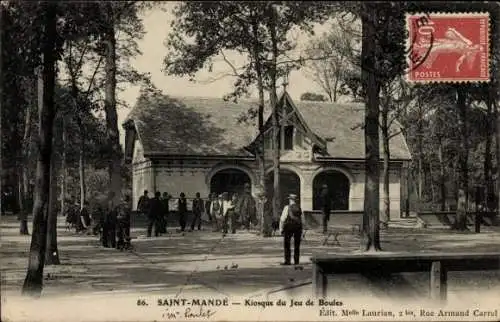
{"type": "Point", "coordinates": [157, 27]}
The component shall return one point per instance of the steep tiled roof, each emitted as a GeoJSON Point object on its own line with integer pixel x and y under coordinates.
{"type": "Point", "coordinates": [209, 126]}
{"type": "Point", "coordinates": [192, 126]}
{"type": "Point", "coordinates": [341, 125]}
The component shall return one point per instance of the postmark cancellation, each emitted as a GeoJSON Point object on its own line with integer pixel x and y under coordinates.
{"type": "Point", "coordinates": [448, 47]}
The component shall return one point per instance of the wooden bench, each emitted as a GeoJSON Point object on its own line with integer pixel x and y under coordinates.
{"type": "Point", "coordinates": [437, 264]}
{"type": "Point", "coordinates": [351, 220]}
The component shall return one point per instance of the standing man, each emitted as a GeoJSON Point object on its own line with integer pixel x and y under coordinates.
{"type": "Point", "coordinates": [216, 211]}
{"type": "Point", "coordinates": [71, 213]}
{"type": "Point", "coordinates": [143, 203]}
{"type": "Point", "coordinates": [197, 211]}
{"type": "Point", "coordinates": [84, 218]}
{"type": "Point", "coordinates": [228, 214]}
{"type": "Point", "coordinates": [110, 221]}
{"type": "Point", "coordinates": [247, 208]}
{"type": "Point", "coordinates": [325, 207]}
{"type": "Point", "coordinates": [154, 214]}
{"type": "Point", "coordinates": [182, 210]}
{"type": "Point", "coordinates": [124, 212]}
{"type": "Point", "coordinates": [208, 204]}
{"type": "Point", "coordinates": [291, 222]}
{"type": "Point", "coordinates": [97, 219]}
{"type": "Point", "coordinates": [165, 200]}
{"type": "Point", "coordinates": [22, 214]}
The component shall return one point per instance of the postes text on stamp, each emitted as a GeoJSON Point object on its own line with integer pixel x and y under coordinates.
{"type": "Point", "coordinates": [448, 47]}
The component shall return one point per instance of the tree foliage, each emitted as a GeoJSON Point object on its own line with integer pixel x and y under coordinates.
{"type": "Point", "coordinates": [308, 96]}
{"type": "Point", "coordinates": [203, 30]}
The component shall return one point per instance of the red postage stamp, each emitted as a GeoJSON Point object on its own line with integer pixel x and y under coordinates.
{"type": "Point", "coordinates": [448, 47]}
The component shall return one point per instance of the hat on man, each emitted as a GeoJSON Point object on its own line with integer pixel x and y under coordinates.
{"type": "Point", "coordinates": [292, 196]}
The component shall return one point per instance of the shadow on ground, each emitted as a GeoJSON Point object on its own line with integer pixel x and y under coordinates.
{"type": "Point", "coordinates": [235, 265]}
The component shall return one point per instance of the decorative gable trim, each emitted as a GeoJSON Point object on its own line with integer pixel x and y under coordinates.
{"type": "Point", "coordinates": [306, 131]}
{"type": "Point", "coordinates": [131, 134]}
{"type": "Point", "coordinates": [321, 143]}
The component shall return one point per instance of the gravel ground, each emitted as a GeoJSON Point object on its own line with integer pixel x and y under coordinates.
{"type": "Point", "coordinates": [242, 266]}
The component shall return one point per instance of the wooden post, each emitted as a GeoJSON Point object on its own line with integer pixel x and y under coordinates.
{"type": "Point", "coordinates": [153, 176]}
{"type": "Point", "coordinates": [438, 282]}
{"type": "Point", "coordinates": [319, 281]}
{"type": "Point", "coordinates": [477, 217]}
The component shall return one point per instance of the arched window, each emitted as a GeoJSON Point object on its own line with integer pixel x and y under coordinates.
{"type": "Point", "coordinates": [338, 189]}
{"type": "Point", "coordinates": [289, 183]}
{"type": "Point", "coordinates": [229, 180]}
{"type": "Point", "coordinates": [288, 137]}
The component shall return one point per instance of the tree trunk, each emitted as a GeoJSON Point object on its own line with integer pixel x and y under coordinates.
{"type": "Point", "coordinates": [432, 181]}
{"type": "Point", "coordinates": [20, 202]}
{"type": "Point", "coordinates": [408, 190]}
{"type": "Point", "coordinates": [386, 213]}
{"type": "Point", "coordinates": [462, 202]}
{"type": "Point", "coordinates": [265, 229]}
{"type": "Point", "coordinates": [370, 240]}
{"type": "Point", "coordinates": [335, 86]}
{"type": "Point", "coordinates": [113, 138]}
{"type": "Point", "coordinates": [33, 282]}
{"type": "Point", "coordinates": [496, 123]}
{"type": "Point", "coordinates": [487, 152]}
{"type": "Point", "coordinates": [64, 166]}
{"type": "Point", "coordinates": [52, 254]}
{"type": "Point", "coordinates": [78, 116]}
{"type": "Point", "coordinates": [81, 163]}
{"type": "Point", "coordinates": [24, 168]}
{"type": "Point", "coordinates": [420, 153]}
{"type": "Point", "coordinates": [442, 175]}
{"type": "Point", "coordinates": [275, 122]}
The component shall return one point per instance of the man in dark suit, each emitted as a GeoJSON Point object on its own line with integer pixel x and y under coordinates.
{"type": "Point", "coordinates": [182, 210]}
{"type": "Point", "coordinates": [110, 221]}
{"type": "Point", "coordinates": [208, 204]}
{"type": "Point", "coordinates": [291, 225]}
{"type": "Point", "coordinates": [325, 207]}
{"type": "Point", "coordinates": [143, 203]}
{"type": "Point", "coordinates": [197, 211]}
{"type": "Point", "coordinates": [124, 214]}
{"type": "Point", "coordinates": [154, 214]}
{"type": "Point", "coordinates": [247, 208]}
{"type": "Point", "coordinates": [165, 200]}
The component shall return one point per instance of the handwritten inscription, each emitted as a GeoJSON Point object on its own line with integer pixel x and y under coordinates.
{"type": "Point", "coordinates": [189, 313]}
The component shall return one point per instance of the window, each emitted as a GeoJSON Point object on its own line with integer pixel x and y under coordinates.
{"type": "Point", "coordinates": [298, 138]}
{"type": "Point", "coordinates": [267, 143]}
{"type": "Point", "coordinates": [289, 137]}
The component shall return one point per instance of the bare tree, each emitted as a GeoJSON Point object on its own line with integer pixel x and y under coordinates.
{"type": "Point", "coordinates": [330, 72]}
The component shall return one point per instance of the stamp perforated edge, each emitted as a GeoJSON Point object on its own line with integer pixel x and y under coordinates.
{"type": "Point", "coordinates": [479, 14]}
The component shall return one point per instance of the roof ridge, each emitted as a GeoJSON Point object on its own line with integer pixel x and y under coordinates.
{"type": "Point", "coordinates": [217, 130]}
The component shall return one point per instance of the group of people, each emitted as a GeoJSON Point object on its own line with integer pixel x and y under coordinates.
{"type": "Point", "coordinates": [109, 220]}
{"type": "Point", "coordinates": [77, 216]}
{"type": "Point", "coordinates": [223, 211]}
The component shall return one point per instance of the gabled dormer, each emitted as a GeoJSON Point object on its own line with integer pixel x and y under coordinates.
{"type": "Point", "coordinates": [297, 142]}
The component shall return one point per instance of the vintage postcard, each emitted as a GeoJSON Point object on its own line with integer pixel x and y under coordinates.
{"type": "Point", "coordinates": [250, 161]}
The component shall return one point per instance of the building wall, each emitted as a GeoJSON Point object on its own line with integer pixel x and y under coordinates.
{"type": "Point", "coordinates": [176, 176]}
{"type": "Point", "coordinates": [188, 176]}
